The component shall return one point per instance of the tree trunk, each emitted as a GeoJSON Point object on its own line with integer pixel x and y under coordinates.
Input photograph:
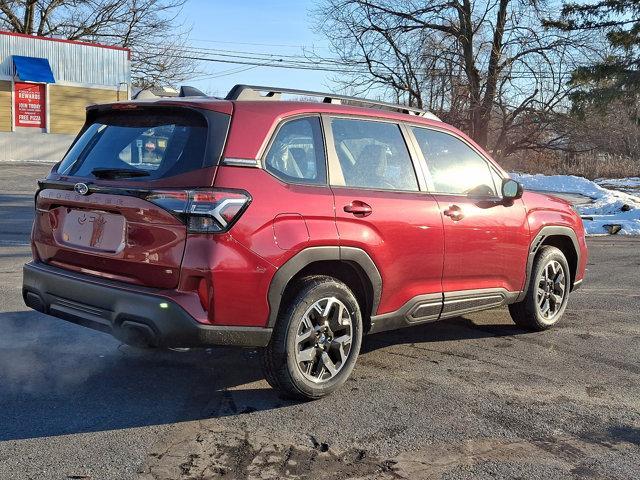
{"type": "Point", "coordinates": [473, 76]}
{"type": "Point", "coordinates": [29, 12]}
{"type": "Point", "coordinates": [493, 73]}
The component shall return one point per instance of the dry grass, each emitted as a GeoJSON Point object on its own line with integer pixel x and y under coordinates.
{"type": "Point", "coordinates": [589, 165]}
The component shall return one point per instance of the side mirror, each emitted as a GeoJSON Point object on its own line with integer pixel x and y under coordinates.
{"type": "Point", "coordinates": [511, 189]}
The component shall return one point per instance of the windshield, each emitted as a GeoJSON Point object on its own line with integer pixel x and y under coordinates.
{"type": "Point", "coordinates": [140, 145]}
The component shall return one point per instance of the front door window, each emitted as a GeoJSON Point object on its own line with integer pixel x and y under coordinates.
{"type": "Point", "coordinates": [454, 166]}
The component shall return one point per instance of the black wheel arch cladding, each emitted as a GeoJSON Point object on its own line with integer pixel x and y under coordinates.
{"type": "Point", "coordinates": [308, 256]}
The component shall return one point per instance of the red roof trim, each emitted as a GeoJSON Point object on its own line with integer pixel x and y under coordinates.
{"type": "Point", "coordinates": [62, 40]}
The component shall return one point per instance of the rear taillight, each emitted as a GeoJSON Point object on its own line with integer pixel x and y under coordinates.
{"type": "Point", "coordinates": [203, 211]}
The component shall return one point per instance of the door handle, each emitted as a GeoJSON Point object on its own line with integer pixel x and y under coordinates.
{"type": "Point", "coordinates": [358, 208]}
{"type": "Point", "coordinates": [454, 212]}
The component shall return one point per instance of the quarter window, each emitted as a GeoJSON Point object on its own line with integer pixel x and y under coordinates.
{"type": "Point", "coordinates": [297, 152]}
{"type": "Point", "coordinates": [455, 167]}
{"type": "Point", "coordinates": [372, 155]}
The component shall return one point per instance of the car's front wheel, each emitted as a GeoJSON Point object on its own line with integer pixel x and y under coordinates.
{"type": "Point", "coordinates": [547, 294]}
{"type": "Point", "coordinates": [316, 339]}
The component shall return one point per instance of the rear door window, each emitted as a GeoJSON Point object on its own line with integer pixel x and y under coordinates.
{"type": "Point", "coordinates": [145, 145]}
{"type": "Point", "coordinates": [372, 155]}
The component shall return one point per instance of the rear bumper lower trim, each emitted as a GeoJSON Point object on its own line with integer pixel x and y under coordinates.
{"type": "Point", "coordinates": [133, 315]}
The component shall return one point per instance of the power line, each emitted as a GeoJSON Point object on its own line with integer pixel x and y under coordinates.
{"type": "Point", "coordinates": [285, 45]}
{"type": "Point", "coordinates": [231, 71]}
{"type": "Point", "coordinates": [227, 51]}
{"type": "Point", "coordinates": [295, 62]}
{"type": "Point", "coordinates": [244, 55]}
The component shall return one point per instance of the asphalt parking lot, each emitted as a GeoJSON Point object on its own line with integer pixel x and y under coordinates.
{"type": "Point", "coordinates": [467, 398]}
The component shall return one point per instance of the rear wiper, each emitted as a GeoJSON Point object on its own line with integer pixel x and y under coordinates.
{"type": "Point", "coordinates": [118, 172]}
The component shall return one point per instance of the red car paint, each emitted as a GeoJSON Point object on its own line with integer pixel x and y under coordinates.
{"type": "Point", "coordinates": [545, 210]}
{"type": "Point", "coordinates": [224, 279]}
{"type": "Point", "coordinates": [149, 253]}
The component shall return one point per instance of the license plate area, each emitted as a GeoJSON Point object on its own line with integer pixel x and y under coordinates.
{"type": "Point", "coordinates": [94, 230]}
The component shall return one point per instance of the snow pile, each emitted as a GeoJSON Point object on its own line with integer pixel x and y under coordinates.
{"type": "Point", "coordinates": [628, 185]}
{"type": "Point", "coordinates": [607, 207]}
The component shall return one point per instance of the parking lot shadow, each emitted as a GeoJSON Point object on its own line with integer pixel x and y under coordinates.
{"type": "Point", "coordinates": [57, 378]}
{"type": "Point", "coordinates": [458, 328]}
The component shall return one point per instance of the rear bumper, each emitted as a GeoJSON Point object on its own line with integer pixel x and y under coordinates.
{"type": "Point", "coordinates": [134, 315]}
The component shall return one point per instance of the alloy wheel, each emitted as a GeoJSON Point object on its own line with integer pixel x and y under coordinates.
{"type": "Point", "coordinates": [323, 339]}
{"type": "Point", "coordinates": [551, 290]}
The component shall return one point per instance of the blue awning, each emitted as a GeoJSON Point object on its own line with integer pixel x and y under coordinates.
{"type": "Point", "coordinates": [32, 69]}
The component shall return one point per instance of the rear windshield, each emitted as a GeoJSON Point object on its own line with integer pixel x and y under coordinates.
{"type": "Point", "coordinates": [145, 145]}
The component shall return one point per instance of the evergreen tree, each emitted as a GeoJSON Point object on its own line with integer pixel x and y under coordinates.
{"type": "Point", "coordinates": [618, 74]}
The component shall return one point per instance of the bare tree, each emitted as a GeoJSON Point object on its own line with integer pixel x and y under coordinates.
{"type": "Point", "coordinates": [149, 27]}
{"type": "Point", "coordinates": [488, 66]}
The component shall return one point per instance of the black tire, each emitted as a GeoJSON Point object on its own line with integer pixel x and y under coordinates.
{"type": "Point", "coordinates": [529, 313]}
{"type": "Point", "coordinates": [279, 358]}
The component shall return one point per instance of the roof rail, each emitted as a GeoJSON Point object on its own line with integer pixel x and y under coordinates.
{"type": "Point", "coordinates": [253, 92]}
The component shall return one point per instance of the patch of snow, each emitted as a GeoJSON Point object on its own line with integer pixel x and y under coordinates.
{"type": "Point", "coordinates": [619, 182]}
{"type": "Point", "coordinates": [606, 207]}
{"type": "Point", "coordinates": [627, 185]}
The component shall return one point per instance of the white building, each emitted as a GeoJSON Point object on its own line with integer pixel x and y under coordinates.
{"type": "Point", "coordinates": [45, 85]}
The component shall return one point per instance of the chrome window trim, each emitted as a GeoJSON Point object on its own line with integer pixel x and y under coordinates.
{"type": "Point", "coordinates": [241, 162]}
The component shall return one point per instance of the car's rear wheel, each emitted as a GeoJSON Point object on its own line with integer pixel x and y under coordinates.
{"type": "Point", "coordinates": [547, 294]}
{"type": "Point", "coordinates": [316, 339]}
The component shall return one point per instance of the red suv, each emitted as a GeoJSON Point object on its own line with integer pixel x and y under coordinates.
{"type": "Point", "coordinates": [294, 226]}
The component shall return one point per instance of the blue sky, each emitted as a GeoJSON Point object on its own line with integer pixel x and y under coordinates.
{"type": "Point", "coordinates": [281, 26]}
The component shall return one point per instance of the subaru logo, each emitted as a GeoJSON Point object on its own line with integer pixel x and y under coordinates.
{"type": "Point", "coordinates": [81, 188]}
